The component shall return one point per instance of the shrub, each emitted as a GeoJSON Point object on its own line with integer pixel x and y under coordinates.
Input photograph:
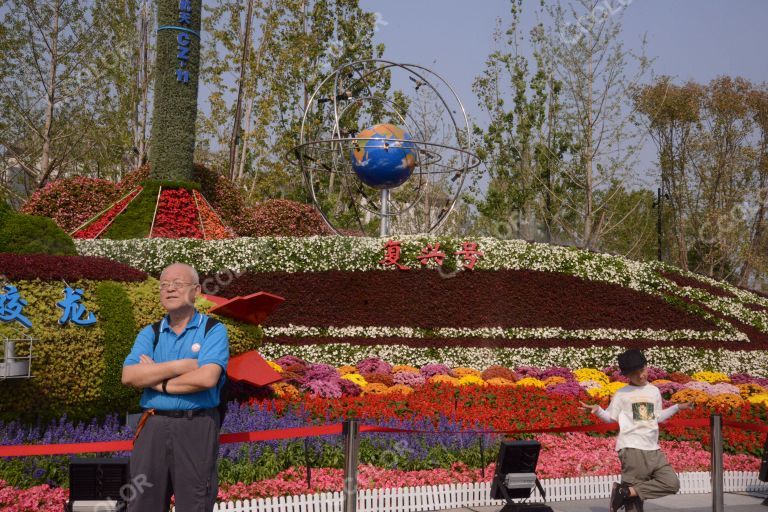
{"type": "Point", "coordinates": [118, 324]}
{"type": "Point", "coordinates": [72, 201]}
{"type": "Point", "coordinates": [282, 217]}
{"type": "Point", "coordinates": [46, 267]}
{"type": "Point", "coordinates": [31, 234]}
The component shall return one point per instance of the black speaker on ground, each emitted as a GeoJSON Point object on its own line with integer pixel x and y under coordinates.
{"type": "Point", "coordinates": [98, 482]}
{"type": "Point", "coordinates": [515, 476]}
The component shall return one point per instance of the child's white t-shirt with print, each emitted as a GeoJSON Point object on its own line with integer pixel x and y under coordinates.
{"type": "Point", "coordinates": [638, 410]}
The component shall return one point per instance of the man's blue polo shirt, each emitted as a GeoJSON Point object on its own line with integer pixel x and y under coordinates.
{"type": "Point", "coordinates": [190, 344]}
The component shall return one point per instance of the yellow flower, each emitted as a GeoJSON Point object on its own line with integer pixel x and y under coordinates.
{"type": "Point", "coordinates": [404, 368]}
{"type": "Point", "coordinates": [444, 379]}
{"type": "Point", "coordinates": [750, 389]}
{"type": "Point", "coordinates": [599, 392]}
{"type": "Point", "coordinates": [530, 382]}
{"type": "Point", "coordinates": [583, 374]}
{"type": "Point", "coordinates": [471, 380]}
{"type": "Point", "coordinates": [500, 381]}
{"type": "Point", "coordinates": [711, 377]}
{"type": "Point", "coordinates": [760, 399]}
{"type": "Point", "coordinates": [659, 382]}
{"type": "Point", "coordinates": [462, 372]}
{"type": "Point", "coordinates": [613, 387]}
{"type": "Point", "coordinates": [346, 370]}
{"type": "Point", "coordinates": [275, 366]}
{"type": "Point", "coordinates": [356, 378]}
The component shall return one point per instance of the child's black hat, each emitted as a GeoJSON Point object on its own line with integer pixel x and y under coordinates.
{"type": "Point", "coordinates": [631, 360]}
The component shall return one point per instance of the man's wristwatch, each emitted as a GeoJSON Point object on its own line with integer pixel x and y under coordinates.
{"type": "Point", "coordinates": [165, 383]}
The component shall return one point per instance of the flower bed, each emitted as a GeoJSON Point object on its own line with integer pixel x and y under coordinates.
{"type": "Point", "coordinates": [99, 224]}
{"type": "Point", "coordinates": [46, 267]}
{"type": "Point", "coordinates": [213, 227]}
{"type": "Point", "coordinates": [176, 215]}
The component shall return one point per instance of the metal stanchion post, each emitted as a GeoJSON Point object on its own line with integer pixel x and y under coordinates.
{"type": "Point", "coordinates": [351, 431]}
{"type": "Point", "coordinates": [716, 431]}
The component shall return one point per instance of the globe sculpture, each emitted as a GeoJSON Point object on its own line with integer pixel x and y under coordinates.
{"type": "Point", "coordinates": [384, 148]}
{"type": "Point", "coordinates": [383, 156]}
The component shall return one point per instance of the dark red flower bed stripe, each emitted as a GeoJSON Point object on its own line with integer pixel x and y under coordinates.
{"type": "Point", "coordinates": [70, 268]}
{"type": "Point", "coordinates": [422, 298]}
{"type": "Point", "coordinates": [695, 283]}
{"type": "Point", "coordinates": [504, 343]}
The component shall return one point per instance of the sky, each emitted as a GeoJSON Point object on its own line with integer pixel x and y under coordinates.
{"type": "Point", "coordinates": [695, 40]}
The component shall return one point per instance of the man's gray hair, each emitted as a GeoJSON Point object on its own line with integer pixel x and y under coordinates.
{"type": "Point", "coordinates": [190, 268]}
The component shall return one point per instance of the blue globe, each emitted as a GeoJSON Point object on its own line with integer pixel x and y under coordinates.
{"type": "Point", "coordinates": [383, 156]}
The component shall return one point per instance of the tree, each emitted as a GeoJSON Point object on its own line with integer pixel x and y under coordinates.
{"type": "Point", "coordinates": [672, 114]}
{"type": "Point", "coordinates": [64, 88]}
{"type": "Point", "coordinates": [524, 143]}
{"type": "Point", "coordinates": [591, 63]}
{"type": "Point", "coordinates": [297, 42]}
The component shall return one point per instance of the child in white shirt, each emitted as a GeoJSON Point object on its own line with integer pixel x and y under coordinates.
{"type": "Point", "coordinates": [638, 408]}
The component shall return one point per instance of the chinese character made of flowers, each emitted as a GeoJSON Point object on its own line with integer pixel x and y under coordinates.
{"type": "Point", "coordinates": [11, 306]}
{"type": "Point", "coordinates": [392, 255]}
{"type": "Point", "coordinates": [393, 251]}
{"type": "Point", "coordinates": [73, 310]}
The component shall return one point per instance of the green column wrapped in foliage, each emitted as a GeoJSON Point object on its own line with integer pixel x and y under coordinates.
{"type": "Point", "coordinates": [176, 82]}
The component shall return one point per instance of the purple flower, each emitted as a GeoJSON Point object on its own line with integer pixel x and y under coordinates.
{"type": "Point", "coordinates": [409, 379]}
{"type": "Point", "coordinates": [374, 365]}
{"type": "Point", "coordinates": [570, 388]}
{"type": "Point", "coordinates": [669, 388]}
{"type": "Point", "coordinates": [557, 371]}
{"type": "Point", "coordinates": [723, 387]}
{"type": "Point", "coordinates": [290, 360]}
{"type": "Point", "coordinates": [743, 378]}
{"type": "Point", "coordinates": [522, 372]}
{"type": "Point", "coordinates": [320, 372]}
{"type": "Point", "coordinates": [699, 386]}
{"type": "Point", "coordinates": [655, 373]}
{"type": "Point", "coordinates": [433, 369]}
{"type": "Point", "coordinates": [324, 388]}
{"type": "Point", "coordinates": [349, 388]}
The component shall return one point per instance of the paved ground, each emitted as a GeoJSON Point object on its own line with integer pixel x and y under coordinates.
{"type": "Point", "coordinates": [679, 502]}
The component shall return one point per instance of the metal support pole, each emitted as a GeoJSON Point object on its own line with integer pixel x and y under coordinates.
{"type": "Point", "coordinates": [350, 429]}
{"type": "Point", "coordinates": [384, 210]}
{"type": "Point", "coordinates": [716, 431]}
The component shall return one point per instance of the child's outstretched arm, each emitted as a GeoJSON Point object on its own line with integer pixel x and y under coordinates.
{"type": "Point", "coordinates": [667, 413]}
{"type": "Point", "coordinates": [599, 411]}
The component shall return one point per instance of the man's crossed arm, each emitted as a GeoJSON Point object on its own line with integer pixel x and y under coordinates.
{"type": "Point", "coordinates": [183, 375]}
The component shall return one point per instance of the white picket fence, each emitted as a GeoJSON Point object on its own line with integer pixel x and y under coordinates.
{"type": "Point", "coordinates": [438, 497]}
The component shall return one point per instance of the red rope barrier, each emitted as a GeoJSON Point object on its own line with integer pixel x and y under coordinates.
{"type": "Point", "coordinates": [26, 450]}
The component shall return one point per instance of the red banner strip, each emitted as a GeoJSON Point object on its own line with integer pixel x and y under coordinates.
{"type": "Point", "coordinates": [335, 429]}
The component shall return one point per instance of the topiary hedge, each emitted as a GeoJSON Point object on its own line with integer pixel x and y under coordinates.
{"type": "Point", "coordinates": [77, 369]}
{"type": "Point", "coordinates": [72, 201]}
{"type": "Point", "coordinates": [31, 234]}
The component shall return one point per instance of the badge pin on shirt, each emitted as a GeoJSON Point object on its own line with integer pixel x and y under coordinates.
{"type": "Point", "coordinates": [195, 348]}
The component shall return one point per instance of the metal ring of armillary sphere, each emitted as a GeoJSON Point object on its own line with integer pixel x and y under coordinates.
{"type": "Point", "coordinates": [384, 148]}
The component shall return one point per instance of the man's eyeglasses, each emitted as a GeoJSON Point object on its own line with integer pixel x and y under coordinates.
{"type": "Point", "coordinates": [176, 285]}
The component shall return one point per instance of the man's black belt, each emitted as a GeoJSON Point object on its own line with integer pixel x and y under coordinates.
{"type": "Point", "coordinates": [184, 413]}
